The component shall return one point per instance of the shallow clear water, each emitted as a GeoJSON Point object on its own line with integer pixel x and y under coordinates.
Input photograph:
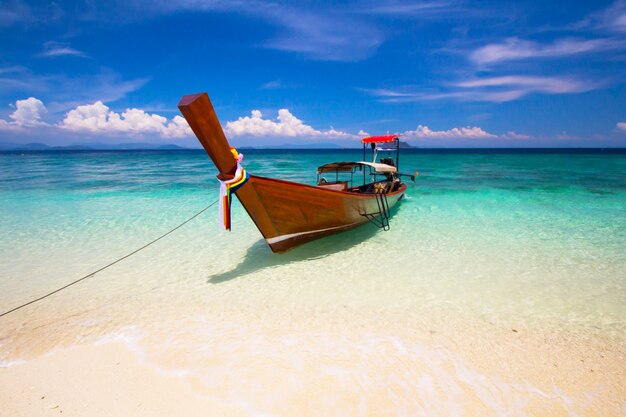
{"type": "Point", "coordinates": [533, 238]}
{"type": "Point", "coordinates": [531, 233]}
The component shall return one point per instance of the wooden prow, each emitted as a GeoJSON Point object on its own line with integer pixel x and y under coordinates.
{"type": "Point", "coordinates": [200, 115]}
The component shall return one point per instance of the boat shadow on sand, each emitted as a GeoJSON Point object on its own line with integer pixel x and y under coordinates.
{"type": "Point", "coordinates": [259, 256]}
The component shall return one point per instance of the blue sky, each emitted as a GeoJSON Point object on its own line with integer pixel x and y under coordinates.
{"type": "Point", "coordinates": [442, 72]}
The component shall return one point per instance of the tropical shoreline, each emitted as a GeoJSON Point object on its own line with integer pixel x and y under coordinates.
{"type": "Point", "coordinates": [476, 366]}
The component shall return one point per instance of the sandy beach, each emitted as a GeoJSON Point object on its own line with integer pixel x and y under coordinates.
{"type": "Point", "coordinates": [238, 360]}
{"type": "Point", "coordinates": [506, 300]}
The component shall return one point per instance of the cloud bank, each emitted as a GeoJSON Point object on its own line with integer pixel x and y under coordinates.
{"type": "Point", "coordinates": [456, 132]}
{"type": "Point", "coordinates": [27, 113]}
{"type": "Point", "coordinates": [98, 119]}
{"type": "Point", "coordinates": [285, 125]}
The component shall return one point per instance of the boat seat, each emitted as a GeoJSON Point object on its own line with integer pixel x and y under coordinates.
{"type": "Point", "coordinates": [337, 186]}
{"type": "Point", "coordinates": [387, 161]}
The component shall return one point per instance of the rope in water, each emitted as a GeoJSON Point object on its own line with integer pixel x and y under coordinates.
{"type": "Point", "coordinates": [111, 264]}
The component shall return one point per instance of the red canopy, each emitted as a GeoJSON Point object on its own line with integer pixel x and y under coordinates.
{"type": "Point", "coordinates": [380, 139]}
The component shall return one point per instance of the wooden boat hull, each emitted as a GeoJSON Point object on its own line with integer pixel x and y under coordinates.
{"type": "Point", "coordinates": [289, 214]}
{"type": "Point", "coordinates": [286, 213]}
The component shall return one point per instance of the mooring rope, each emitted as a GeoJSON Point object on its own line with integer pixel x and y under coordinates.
{"type": "Point", "coordinates": [111, 264]}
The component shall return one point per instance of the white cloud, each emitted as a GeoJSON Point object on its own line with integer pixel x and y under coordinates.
{"type": "Point", "coordinates": [515, 49]}
{"type": "Point", "coordinates": [285, 125]}
{"type": "Point", "coordinates": [15, 12]}
{"type": "Point", "coordinates": [337, 134]}
{"type": "Point", "coordinates": [456, 132]}
{"type": "Point", "coordinates": [411, 9]}
{"type": "Point", "coordinates": [97, 118]}
{"type": "Point", "coordinates": [271, 85]}
{"type": "Point", "coordinates": [385, 92]}
{"type": "Point", "coordinates": [55, 49]}
{"type": "Point", "coordinates": [91, 117]}
{"type": "Point", "coordinates": [4, 125]}
{"type": "Point", "coordinates": [27, 113]}
{"type": "Point", "coordinates": [469, 132]}
{"type": "Point", "coordinates": [514, 135]}
{"type": "Point", "coordinates": [177, 128]}
{"type": "Point", "coordinates": [612, 19]}
{"type": "Point", "coordinates": [484, 96]}
{"type": "Point", "coordinates": [14, 69]}
{"type": "Point", "coordinates": [617, 17]}
{"type": "Point", "coordinates": [621, 126]}
{"type": "Point", "coordinates": [566, 136]}
{"type": "Point", "coordinates": [312, 32]}
{"type": "Point", "coordinates": [324, 36]}
{"type": "Point", "coordinates": [490, 89]}
{"type": "Point", "coordinates": [553, 85]}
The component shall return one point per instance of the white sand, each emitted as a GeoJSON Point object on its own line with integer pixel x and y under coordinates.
{"type": "Point", "coordinates": [327, 363]}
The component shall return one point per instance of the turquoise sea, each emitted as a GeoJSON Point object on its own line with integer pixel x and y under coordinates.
{"type": "Point", "coordinates": [513, 237]}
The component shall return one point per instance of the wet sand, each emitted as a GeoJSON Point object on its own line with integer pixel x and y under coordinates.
{"type": "Point", "coordinates": [242, 361]}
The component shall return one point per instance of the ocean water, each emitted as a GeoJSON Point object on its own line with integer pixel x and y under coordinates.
{"type": "Point", "coordinates": [535, 239]}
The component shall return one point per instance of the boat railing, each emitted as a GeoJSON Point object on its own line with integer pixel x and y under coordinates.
{"type": "Point", "coordinates": [337, 185]}
{"type": "Point", "coordinates": [323, 181]}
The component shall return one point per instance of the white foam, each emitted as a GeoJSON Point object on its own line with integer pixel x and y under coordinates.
{"type": "Point", "coordinates": [8, 364]}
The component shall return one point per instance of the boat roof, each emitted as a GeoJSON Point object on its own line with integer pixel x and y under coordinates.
{"type": "Point", "coordinates": [380, 139]}
{"type": "Point", "coordinates": [349, 166]}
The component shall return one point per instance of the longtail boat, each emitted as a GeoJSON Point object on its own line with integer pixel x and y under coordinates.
{"type": "Point", "coordinates": [287, 213]}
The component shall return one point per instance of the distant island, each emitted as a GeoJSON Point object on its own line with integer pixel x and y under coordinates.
{"type": "Point", "coordinates": [91, 147]}
{"type": "Point", "coordinates": [36, 146]}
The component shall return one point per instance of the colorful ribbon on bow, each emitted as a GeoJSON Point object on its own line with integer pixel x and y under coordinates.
{"type": "Point", "coordinates": [226, 189]}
